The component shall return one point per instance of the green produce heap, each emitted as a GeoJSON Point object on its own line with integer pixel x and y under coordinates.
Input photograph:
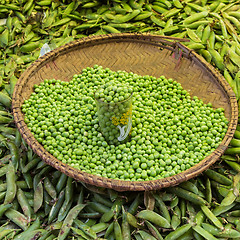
{"type": "Point", "coordinates": [171, 132]}
{"type": "Point", "coordinates": [39, 202]}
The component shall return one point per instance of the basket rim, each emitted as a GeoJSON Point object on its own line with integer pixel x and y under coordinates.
{"type": "Point", "coordinates": [123, 185]}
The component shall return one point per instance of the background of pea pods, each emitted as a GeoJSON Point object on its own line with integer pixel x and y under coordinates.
{"type": "Point", "coordinates": [38, 202]}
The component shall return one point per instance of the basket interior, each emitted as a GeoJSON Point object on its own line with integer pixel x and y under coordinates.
{"type": "Point", "coordinates": [135, 55]}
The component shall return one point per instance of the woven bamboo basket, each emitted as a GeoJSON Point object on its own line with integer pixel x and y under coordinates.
{"type": "Point", "coordinates": [142, 54]}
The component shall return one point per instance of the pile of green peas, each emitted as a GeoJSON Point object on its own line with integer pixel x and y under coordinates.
{"type": "Point", "coordinates": [113, 92]}
{"type": "Point", "coordinates": [171, 131]}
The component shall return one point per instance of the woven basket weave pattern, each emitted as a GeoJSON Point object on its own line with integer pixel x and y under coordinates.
{"type": "Point", "coordinates": [140, 54]}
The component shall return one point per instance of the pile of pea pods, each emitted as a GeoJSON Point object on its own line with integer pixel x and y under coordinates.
{"type": "Point", "coordinates": [39, 202]}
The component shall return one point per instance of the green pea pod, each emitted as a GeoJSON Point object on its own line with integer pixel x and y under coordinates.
{"type": "Point", "coordinates": [3, 170]}
{"type": "Point", "coordinates": [175, 221]}
{"type": "Point", "coordinates": [206, 34]}
{"type": "Point", "coordinates": [31, 164]}
{"type": "Point", "coordinates": [98, 207]}
{"type": "Point", "coordinates": [132, 220]}
{"type": "Point", "coordinates": [38, 197]}
{"type": "Point", "coordinates": [61, 182]}
{"type": "Point", "coordinates": [27, 6]}
{"type": "Point", "coordinates": [177, 4]}
{"type": "Point", "coordinates": [103, 200]}
{"type": "Point", "coordinates": [196, 46]}
{"type": "Point", "coordinates": [56, 207]}
{"type": "Point", "coordinates": [187, 185]}
{"type": "Point", "coordinates": [171, 13]}
{"type": "Point", "coordinates": [146, 236]}
{"type": "Point", "coordinates": [134, 205]}
{"type": "Point", "coordinates": [178, 232]}
{"type": "Point", "coordinates": [29, 47]}
{"type": "Point", "coordinates": [23, 202]}
{"type": "Point", "coordinates": [192, 197]}
{"type": "Point", "coordinates": [232, 19]}
{"type": "Point", "coordinates": [163, 208]}
{"type": "Point", "coordinates": [117, 230]}
{"type": "Point", "coordinates": [205, 53]}
{"type": "Point", "coordinates": [204, 233]}
{"type": "Point", "coordinates": [114, 211]}
{"type": "Point", "coordinates": [4, 208]}
{"type": "Point", "coordinates": [217, 59]}
{"type": "Point", "coordinates": [158, 21]}
{"type": "Point", "coordinates": [17, 217]}
{"type": "Point", "coordinates": [80, 234]}
{"type": "Point", "coordinates": [11, 184]}
{"type": "Point", "coordinates": [196, 7]}
{"type": "Point", "coordinates": [234, 14]}
{"type": "Point", "coordinates": [235, 58]}
{"type": "Point", "coordinates": [159, 9]}
{"type": "Point", "coordinates": [5, 100]}
{"type": "Point", "coordinates": [99, 227]}
{"type": "Point", "coordinates": [20, 16]}
{"type": "Point", "coordinates": [50, 188]}
{"type": "Point", "coordinates": [209, 214]}
{"type": "Point", "coordinates": [136, 5]}
{"type": "Point", "coordinates": [153, 230]}
{"type": "Point", "coordinates": [4, 38]}
{"type": "Point", "coordinates": [125, 226]}
{"type": "Point", "coordinates": [110, 29]}
{"type": "Point", "coordinates": [127, 17]}
{"type": "Point", "coordinates": [5, 233]}
{"type": "Point", "coordinates": [34, 226]}
{"type": "Point", "coordinates": [154, 218]}
{"type": "Point", "coordinates": [86, 229]}
{"type": "Point", "coordinates": [143, 15]}
{"type": "Point", "coordinates": [195, 17]}
{"type": "Point", "coordinates": [208, 191]}
{"type": "Point", "coordinates": [67, 223]}
{"type": "Point", "coordinates": [64, 209]}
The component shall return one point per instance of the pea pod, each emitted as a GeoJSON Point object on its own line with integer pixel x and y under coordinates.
{"type": "Point", "coordinates": [23, 201]}
{"type": "Point", "coordinates": [205, 53]}
{"type": "Point", "coordinates": [187, 195]}
{"type": "Point", "coordinates": [127, 17]}
{"type": "Point", "coordinates": [195, 17]}
{"type": "Point", "coordinates": [209, 214]}
{"type": "Point", "coordinates": [110, 29]}
{"type": "Point", "coordinates": [158, 21]}
{"type": "Point", "coordinates": [153, 230]}
{"type": "Point", "coordinates": [5, 100]}
{"type": "Point", "coordinates": [134, 205]}
{"type": "Point", "coordinates": [34, 226]}
{"type": "Point", "coordinates": [171, 13]}
{"type": "Point", "coordinates": [218, 177]}
{"type": "Point", "coordinates": [50, 188]}
{"type": "Point", "coordinates": [204, 233]}
{"type": "Point", "coordinates": [69, 220]}
{"type": "Point", "coordinates": [17, 217]}
{"type": "Point", "coordinates": [125, 227]}
{"type": "Point", "coordinates": [217, 59]}
{"type": "Point", "coordinates": [178, 232]}
{"type": "Point", "coordinates": [114, 211]}
{"type": "Point", "coordinates": [163, 208]}
{"type": "Point", "coordinates": [85, 228]}
{"type": "Point", "coordinates": [55, 208]}
{"type": "Point", "coordinates": [99, 227]}
{"type": "Point", "coordinates": [226, 233]}
{"type": "Point", "coordinates": [159, 9]}
{"type": "Point", "coordinates": [11, 184]}
{"type": "Point", "coordinates": [4, 207]}
{"type": "Point", "coordinates": [29, 47]}
{"type": "Point", "coordinates": [154, 218]}
{"type": "Point", "coordinates": [177, 4]}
